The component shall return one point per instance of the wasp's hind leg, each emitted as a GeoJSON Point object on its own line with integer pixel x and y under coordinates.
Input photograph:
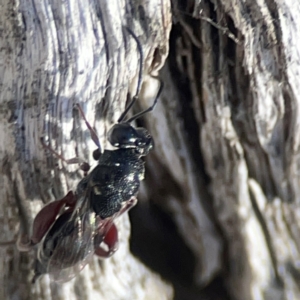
{"type": "Point", "coordinates": [44, 220]}
{"type": "Point", "coordinates": [111, 241]}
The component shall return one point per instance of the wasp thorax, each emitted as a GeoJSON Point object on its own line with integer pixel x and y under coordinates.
{"type": "Point", "coordinates": [123, 135]}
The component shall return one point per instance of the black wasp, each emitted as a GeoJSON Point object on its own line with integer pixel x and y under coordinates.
{"type": "Point", "coordinates": [70, 230]}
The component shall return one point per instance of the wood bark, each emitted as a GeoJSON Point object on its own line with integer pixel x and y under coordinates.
{"type": "Point", "coordinates": [217, 213]}
{"type": "Point", "coordinates": [239, 60]}
{"type": "Point", "coordinates": [55, 54]}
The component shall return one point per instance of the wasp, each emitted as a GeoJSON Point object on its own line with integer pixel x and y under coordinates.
{"type": "Point", "coordinates": [70, 230]}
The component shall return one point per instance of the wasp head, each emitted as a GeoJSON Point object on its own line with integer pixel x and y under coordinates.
{"type": "Point", "coordinates": [123, 135]}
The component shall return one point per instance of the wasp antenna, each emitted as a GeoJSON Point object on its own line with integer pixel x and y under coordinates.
{"type": "Point", "coordinates": [138, 115]}
{"type": "Point", "coordinates": [93, 133]}
{"type": "Point", "coordinates": [139, 46]}
{"type": "Point", "coordinates": [140, 76]}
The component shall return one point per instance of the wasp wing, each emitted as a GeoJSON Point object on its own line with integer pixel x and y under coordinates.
{"type": "Point", "coordinates": [72, 241]}
{"type": "Point", "coordinates": [73, 247]}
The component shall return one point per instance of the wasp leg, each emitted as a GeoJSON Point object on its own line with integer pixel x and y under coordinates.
{"type": "Point", "coordinates": [44, 220]}
{"type": "Point", "coordinates": [127, 205]}
{"type": "Point", "coordinates": [112, 242]}
{"type": "Point", "coordinates": [83, 165]}
{"type": "Point", "coordinates": [111, 237]}
{"type": "Point", "coordinates": [48, 214]}
{"type": "Point", "coordinates": [93, 133]}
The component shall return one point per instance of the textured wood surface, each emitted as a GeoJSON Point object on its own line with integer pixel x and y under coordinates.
{"type": "Point", "coordinates": [218, 212]}
{"type": "Point", "coordinates": [53, 55]}
{"type": "Point", "coordinates": [242, 61]}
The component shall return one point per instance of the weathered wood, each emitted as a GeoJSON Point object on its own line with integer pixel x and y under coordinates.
{"type": "Point", "coordinates": [53, 55]}
{"type": "Point", "coordinates": [240, 61]}
{"type": "Point", "coordinates": [221, 195]}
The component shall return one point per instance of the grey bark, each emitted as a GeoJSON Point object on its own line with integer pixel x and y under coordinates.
{"type": "Point", "coordinates": [217, 214]}
{"type": "Point", "coordinates": [240, 60]}
{"type": "Point", "coordinates": [53, 55]}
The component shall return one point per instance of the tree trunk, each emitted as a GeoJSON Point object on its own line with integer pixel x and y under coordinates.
{"type": "Point", "coordinates": [217, 213]}
{"type": "Point", "coordinates": [233, 67]}
{"type": "Point", "coordinates": [53, 55]}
